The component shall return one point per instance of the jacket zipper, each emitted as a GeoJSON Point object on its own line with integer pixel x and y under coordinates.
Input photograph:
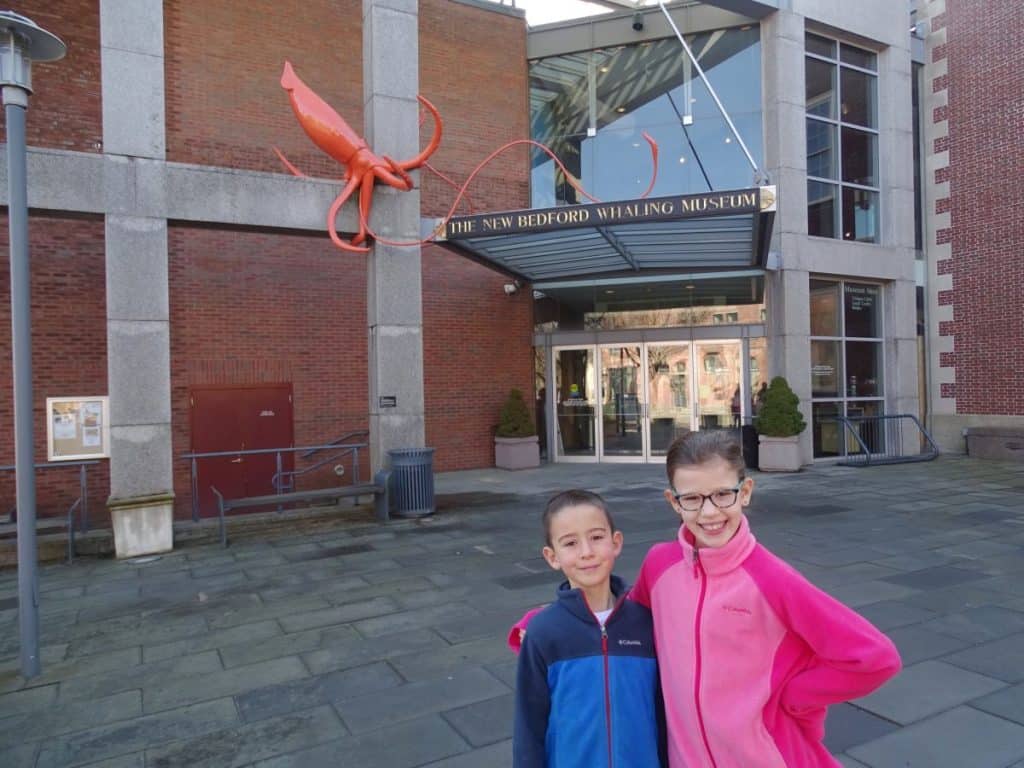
{"type": "Point", "coordinates": [698, 572]}
{"type": "Point", "coordinates": [604, 655]}
{"type": "Point", "coordinates": [607, 691]}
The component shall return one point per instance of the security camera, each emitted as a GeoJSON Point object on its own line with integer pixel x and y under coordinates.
{"type": "Point", "coordinates": [510, 288]}
{"type": "Point", "coordinates": [638, 21]}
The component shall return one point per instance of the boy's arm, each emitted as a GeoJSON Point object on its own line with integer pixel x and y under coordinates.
{"type": "Point", "coordinates": [851, 657]}
{"type": "Point", "coordinates": [533, 705]}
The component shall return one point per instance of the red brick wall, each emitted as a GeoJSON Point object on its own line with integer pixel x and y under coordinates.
{"type": "Point", "coordinates": [65, 111]}
{"type": "Point", "coordinates": [225, 104]}
{"type": "Point", "coordinates": [261, 307]}
{"type": "Point", "coordinates": [986, 100]}
{"type": "Point", "coordinates": [477, 344]}
{"type": "Point", "coordinates": [473, 68]}
{"type": "Point", "coordinates": [69, 350]}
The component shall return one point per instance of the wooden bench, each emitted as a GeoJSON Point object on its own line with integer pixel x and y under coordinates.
{"type": "Point", "coordinates": [378, 489]}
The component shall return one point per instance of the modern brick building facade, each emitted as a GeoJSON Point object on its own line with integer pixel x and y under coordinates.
{"type": "Point", "coordinates": [973, 141]}
{"type": "Point", "coordinates": [172, 253]}
{"type": "Point", "coordinates": [254, 302]}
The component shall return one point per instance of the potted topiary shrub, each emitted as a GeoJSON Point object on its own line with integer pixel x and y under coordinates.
{"type": "Point", "coordinates": [778, 424]}
{"type": "Point", "coordinates": [515, 441]}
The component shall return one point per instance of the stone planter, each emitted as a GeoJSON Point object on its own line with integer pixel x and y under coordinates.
{"type": "Point", "coordinates": [143, 525]}
{"type": "Point", "coordinates": [779, 454]}
{"type": "Point", "coordinates": [516, 452]}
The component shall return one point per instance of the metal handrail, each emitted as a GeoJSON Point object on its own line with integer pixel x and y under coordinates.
{"type": "Point", "coordinates": [284, 481]}
{"type": "Point", "coordinates": [195, 457]}
{"type": "Point", "coordinates": [83, 494]}
{"type": "Point", "coordinates": [339, 441]}
{"type": "Point", "coordinates": [880, 440]}
{"type": "Point", "coordinates": [71, 529]}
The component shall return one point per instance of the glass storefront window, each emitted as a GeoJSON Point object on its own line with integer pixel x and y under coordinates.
{"type": "Point", "coordinates": [825, 430]}
{"type": "Point", "coordinates": [650, 87]}
{"type": "Point", "coordinates": [821, 88]}
{"type": "Point", "coordinates": [859, 98]}
{"type": "Point", "coordinates": [847, 369]}
{"type": "Point", "coordinates": [860, 215]}
{"type": "Point", "coordinates": [858, 57]}
{"type": "Point", "coordinates": [860, 155]}
{"type": "Point", "coordinates": [821, 46]}
{"type": "Point", "coordinates": [825, 368]}
{"type": "Point", "coordinates": [821, 149]}
{"type": "Point", "coordinates": [862, 310]}
{"type": "Point", "coordinates": [842, 143]}
{"type": "Point", "coordinates": [863, 368]}
{"type": "Point", "coordinates": [822, 208]}
{"type": "Point", "coordinates": [824, 308]}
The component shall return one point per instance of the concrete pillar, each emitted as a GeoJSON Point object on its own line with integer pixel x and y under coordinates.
{"type": "Point", "coordinates": [394, 298]}
{"type": "Point", "coordinates": [787, 294]}
{"type": "Point", "coordinates": [138, 321]}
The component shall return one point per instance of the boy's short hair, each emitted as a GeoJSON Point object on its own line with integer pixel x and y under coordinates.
{"type": "Point", "coordinates": [573, 498]}
{"type": "Point", "coordinates": [700, 447]}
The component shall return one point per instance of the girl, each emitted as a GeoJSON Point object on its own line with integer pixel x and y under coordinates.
{"type": "Point", "coordinates": [750, 653]}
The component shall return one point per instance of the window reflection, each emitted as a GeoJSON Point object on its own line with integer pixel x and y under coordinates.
{"type": "Point", "coordinates": [647, 87]}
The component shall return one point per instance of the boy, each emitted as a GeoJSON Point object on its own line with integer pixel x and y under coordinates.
{"type": "Point", "coordinates": [587, 680]}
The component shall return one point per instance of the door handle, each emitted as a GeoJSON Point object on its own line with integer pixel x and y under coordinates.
{"type": "Point", "coordinates": [237, 461]}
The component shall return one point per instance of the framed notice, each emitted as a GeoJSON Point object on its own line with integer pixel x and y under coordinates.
{"type": "Point", "coordinates": [77, 428]}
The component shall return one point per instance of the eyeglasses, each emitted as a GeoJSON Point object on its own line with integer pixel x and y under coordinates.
{"type": "Point", "coordinates": [722, 498]}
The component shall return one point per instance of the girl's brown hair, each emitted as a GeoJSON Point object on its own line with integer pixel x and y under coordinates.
{"type": "Point", "coordinates": [699, 447]}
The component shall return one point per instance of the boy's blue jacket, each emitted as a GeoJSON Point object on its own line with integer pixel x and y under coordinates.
{"type": "Point", "coordinates": [587, 698]}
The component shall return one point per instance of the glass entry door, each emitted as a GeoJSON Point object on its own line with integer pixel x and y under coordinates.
{"type": "Point", "coordinates": [669, 381]}
{"type": "Point", "coordinates": [628, 402]}
{"type": "Point", "coordinates": [575, 399]}
{"type": "Point", "coordinates": [720, 395]}
{"type": "Point", "coordinates": [623, 410]}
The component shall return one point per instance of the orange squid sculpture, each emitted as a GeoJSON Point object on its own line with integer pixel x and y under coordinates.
{"type": "Point", "coordinates": [363, 168]}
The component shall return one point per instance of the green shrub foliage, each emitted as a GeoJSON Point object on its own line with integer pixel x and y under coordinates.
{"type": "Point", "coordinates": [516, 419]}
{"type": "Point", "coordinates": [779, 413]}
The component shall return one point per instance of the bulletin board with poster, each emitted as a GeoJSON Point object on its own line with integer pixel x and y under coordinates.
{"type": "Point", "coordinates": [77, 428]}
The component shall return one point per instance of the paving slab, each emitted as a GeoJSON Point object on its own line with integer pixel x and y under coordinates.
{"type": "Point", "coordinates": [405, 745]}
{"type": "Point", "coordinates": [410, 701]}
{"type": "Point", "coordinates": [130, 736]}
{"type": "Point", "coordinates": [307, 693]}
{"type": "Point", "coordinates": [957, 738]}
{"type": "Point", "coordinates": [243, 745]}
{"type": "Point", "coordinates": [926, 689]}
{"type": "Point", "coordinates": [848, 725]}
{"type": "Point", "coordinates": [916, 644]}
{"type": "Point", "coordinates": [1008, 703]}
{"type": "Point", "coordinates": [217, 684]}
{"type": "Point", "coordinates": [1002, 659]}
{"type": "Point", "coordinates": [383, 623]}
{"type": "Point", "coordinates": [483, 722]}
{"type": "Point", "coordinates": [494, 756]}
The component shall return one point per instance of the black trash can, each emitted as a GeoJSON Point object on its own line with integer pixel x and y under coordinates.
{"type": "Point", "coordinates": [412, 481]}
{"type": "Point", "coordinates": [750, 446]}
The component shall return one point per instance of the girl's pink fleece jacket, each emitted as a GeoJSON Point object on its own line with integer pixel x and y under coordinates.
{"type": "Point", "coordinates": [751, 654]}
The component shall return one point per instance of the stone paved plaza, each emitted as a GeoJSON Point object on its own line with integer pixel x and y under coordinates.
{"type": "Point", "coordinates": [348, 643]}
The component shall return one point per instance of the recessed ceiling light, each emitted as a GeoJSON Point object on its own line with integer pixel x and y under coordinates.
{"type": "Point", "coordinates": [620, 110]}
{"type": "Point", "coordinates": [603, 69]}
{"type": "Point", "coordinates": [682, 159]}
{"type": "Point", "coordinates": [609, 291]}
{"type": "Point", "coordinates": [728, 139]}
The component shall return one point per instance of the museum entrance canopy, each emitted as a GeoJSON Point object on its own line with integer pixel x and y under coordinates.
{"type": "Point", "coordinates": [622, 239]}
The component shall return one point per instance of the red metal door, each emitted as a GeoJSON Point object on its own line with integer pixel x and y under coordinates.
{"type": "Point", "coordinates": [240, 419]}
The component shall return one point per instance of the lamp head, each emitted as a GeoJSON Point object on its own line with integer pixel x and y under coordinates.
{"type": "Point", "coordinates": [638, 21]}
{"type": "Point", "coordinates": [22, 41]}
